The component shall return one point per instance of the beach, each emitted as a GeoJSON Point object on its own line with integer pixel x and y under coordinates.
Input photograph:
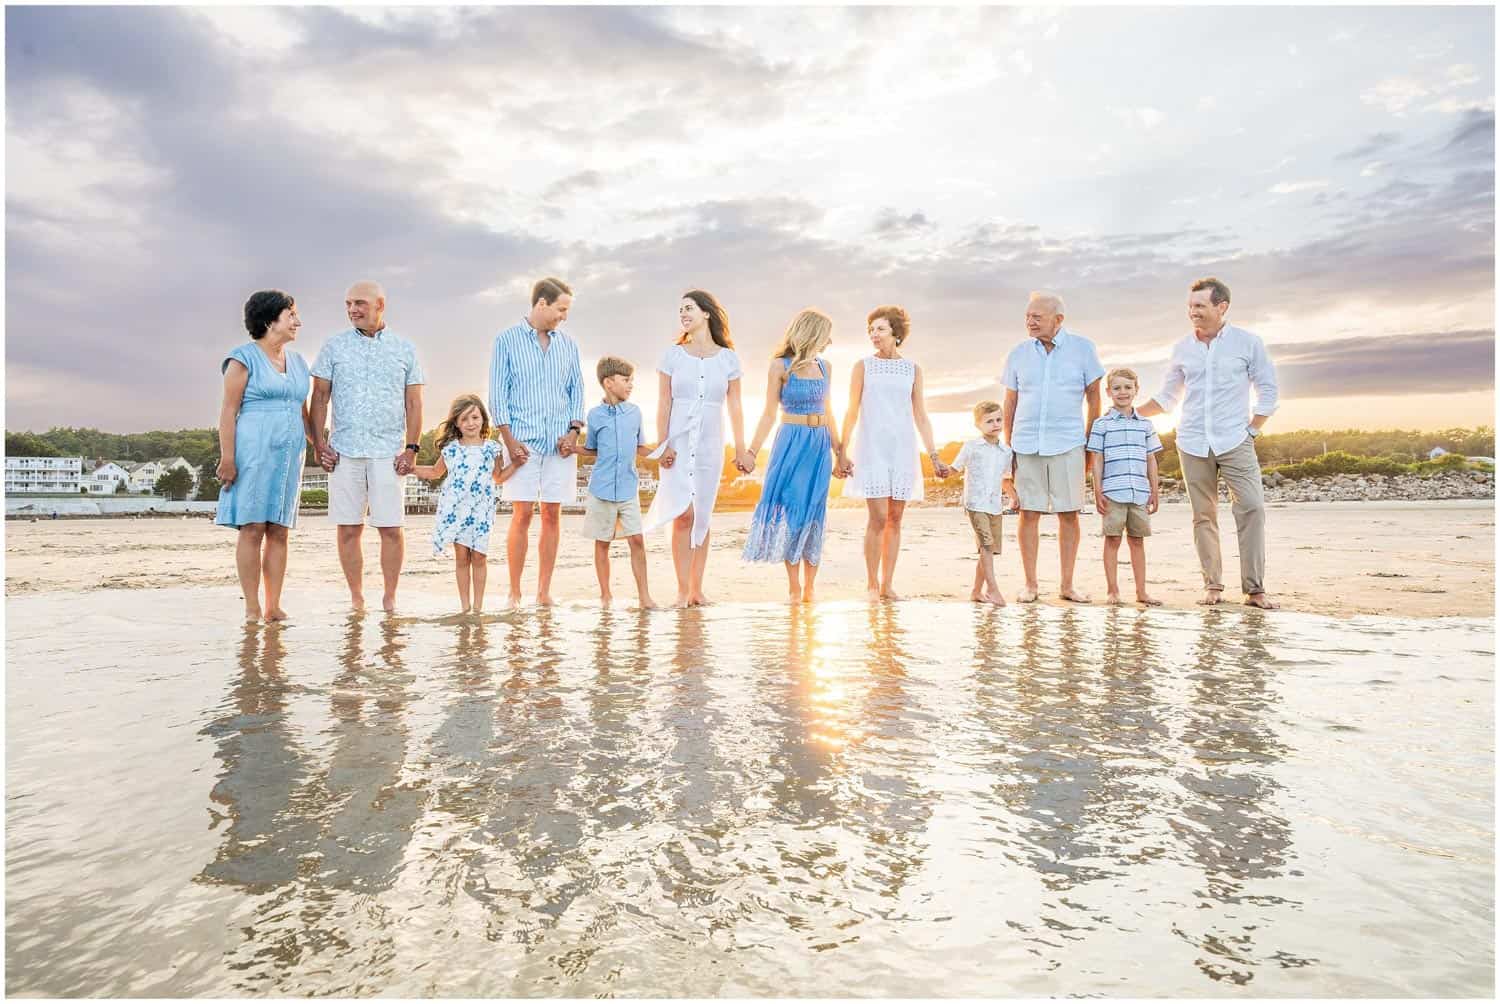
{"type": "Point", "coordinates": [923, 799]}
{"type": "Point", "coordinates": [1408, 559]}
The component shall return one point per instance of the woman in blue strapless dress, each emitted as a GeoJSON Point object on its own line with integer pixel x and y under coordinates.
{"type": "Point", "coordinates": [789, 520]}
{"type": "Point", "coordinates": [264, 430]}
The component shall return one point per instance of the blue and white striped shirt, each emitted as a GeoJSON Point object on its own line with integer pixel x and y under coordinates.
{"type": "Point", "coordinates": [1126, 441]}
{"type": "Point", "coordinates": [539, 394]}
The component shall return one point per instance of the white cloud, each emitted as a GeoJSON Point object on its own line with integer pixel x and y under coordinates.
{"type": "Point", "coordinates": [1373, 168]}
{"type": "Point", "coordinates": [1207, 102]}
{"type": "Point", "coordinates": [1289, 187]}
{"type": "Point", "coordinates": [1453, 106]}
{"type": "Point", "coordinates": [1145, 117]}
{"type": "Point", "coordinates": [1395, 94]}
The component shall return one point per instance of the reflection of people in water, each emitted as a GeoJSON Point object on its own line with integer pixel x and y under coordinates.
{"type": "Point", "coordinates": [263, 771]}
{"type": "Point", "coordinates": [1232, 829]}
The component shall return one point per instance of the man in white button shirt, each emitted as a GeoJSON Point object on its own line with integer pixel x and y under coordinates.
{"type": "Point", "coordinates": [1047, 379]}
{"type": "Point", "coordinates": [1211, 372]}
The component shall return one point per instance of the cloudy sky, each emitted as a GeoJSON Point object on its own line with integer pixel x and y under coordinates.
{"type": "Point", "coordinates": [1335, 166]}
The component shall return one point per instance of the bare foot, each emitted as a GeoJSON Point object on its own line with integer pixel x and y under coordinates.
{"type": "Point", "coordinates": [995, 599]}
{"type": "Point", "coordinates": [891, 595]}
{"type": "Point", "coordinates": [1261, 600]}
{"type": "Point", "coordinates": [647, 603]}
{"type": "Point", "coordinates": [1149, 601]}
{"type": "Point", "coordinates": [1074, 596]}
{"type": "Point", "coordinates": [698, 600]}
{"type": "Point", "coordinates": [464, 609]}
{"type": "Point", "coordinates": [872, 594]}
{"type": "Point", "coordinates": [252, 613]}
{"type": "Point", "coordinates": [357, 601]}
{"type": "Point", "coordinates": [1113, 599]}
{"type": "Point", "coordinates": [1027, 595]}
{"type": "Point", "coordinates": [543, 599]}
{"type": "Point", "coordinates": [682, 600]}
{"type": "Point", "coordinates": [1211, 598]}
{"type": "Point", "coordinates": [605, 600]}
{"type": "Point", "coordinates": [976, 597]}
{"type": "Point", "coordinates": [478, 609]}
{"type": "Point", "coordinates": [807, 596]}
{"type": "Point", "coordinates": [276, 614]}
{"type": "Point", "coordinates": [794, 596]}
{"type": "Point", "coordinates": [388, 604]}
{"type": "Point", "coordinates": [512, 601]}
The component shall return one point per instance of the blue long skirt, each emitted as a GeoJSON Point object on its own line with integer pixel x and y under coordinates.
{"type": "Point", "coordinates": [790, 517]}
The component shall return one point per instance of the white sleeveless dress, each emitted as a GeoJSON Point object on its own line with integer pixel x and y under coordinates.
{"type": "Point", "coordinates": [696, 432]}
{"type": "Point", "coordinates": [885, 438]}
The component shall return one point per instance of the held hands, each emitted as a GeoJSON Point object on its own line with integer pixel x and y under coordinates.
{"type": "Point", "coordinates": [567, 444]}
{"type": "Point", "coordinates": [519, 454]}
{"type": "Point", "coordinates": [327, 458]}
{"type": "Point", "coordinates": [745, 461]}
{"type": "Point", "coordinates": [940, 470]}
{"type": "Point", "coordinates": [1008, 489]}
{"type": "Point", "coordinates": [226, 472]}
{"type": "Point", "coordinates": [843, 467]}
{"type": "Point", "coordinates": [406, 462]}
{"type": "Point", "coordinates": [668, 457]}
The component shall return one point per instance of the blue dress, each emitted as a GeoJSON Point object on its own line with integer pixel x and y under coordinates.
{"type": "Point", "coordinates": [466, 508]}
{"type": "Point", "coordinates": [270, 442]}
{"type": "Point", "coordinates": [789, 519]}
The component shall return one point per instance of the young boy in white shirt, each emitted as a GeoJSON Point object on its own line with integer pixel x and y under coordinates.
{"type": "Point", "coordinates": [986, 463]}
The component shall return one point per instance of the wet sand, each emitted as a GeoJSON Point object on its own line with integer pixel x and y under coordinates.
{"type": "Point", "coordinates": [1418, 559]}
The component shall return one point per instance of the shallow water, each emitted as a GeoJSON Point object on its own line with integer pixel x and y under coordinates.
{"type": "Point", "coordinates": [923, 799]}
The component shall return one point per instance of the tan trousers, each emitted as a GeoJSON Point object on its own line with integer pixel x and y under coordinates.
{"type": "Point", "coordinates": [1241, 470]}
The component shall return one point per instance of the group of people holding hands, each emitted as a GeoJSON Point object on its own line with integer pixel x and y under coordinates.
{"type": "Point", "coordinates": [1032, 448]}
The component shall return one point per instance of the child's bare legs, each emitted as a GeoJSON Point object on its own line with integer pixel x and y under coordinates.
{"type": "Point", "coordinates": [637, 544]}
{"type": "Point", "coordinates": [247, 563]}
{"type": "Point", "coordinates": [601, 572]}
{"type": "Point", "coordinates": [976, 595]}
{"type": "Point", "coordinates": [273, 570]}
{"type": "Point", "coordinates": [1112, 569]}
{"type": "Point", "coordinates": [987, 574]}
{"type": "Point", "coordinates": [479, 572]}
{"type": "Point", "coordinates": [1138, 566]}
{"type": "Point", "coordinates": [793, 583]}
{"type": "Point", "coordinates": [461, 559]}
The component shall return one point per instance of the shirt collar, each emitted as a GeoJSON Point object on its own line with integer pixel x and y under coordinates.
{"type": "Point", "coordinates": [613, 409]}
{"type": "Point", "coordinates": [378, 335]}
{"type": "Point", "coordinates": [526, 323]}
{"type": "Point", "coordinates": [1057, 340]}
{"type": "Point", "coordinates": [1120, 414]}
{"type": "Point", "coordinates": [1217, 335]}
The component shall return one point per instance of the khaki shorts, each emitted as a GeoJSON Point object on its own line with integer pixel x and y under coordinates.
{"type": "Point", "coordinates": [1050, 484]}
{"type": "Point", "coordinates": [358, 484]}
{"type": "Point", "coordinates": [600, 518]}
{"type": "Point", "coordinates": [986, 531]}
{"type": "Point", "coordinates": [1130, 517]}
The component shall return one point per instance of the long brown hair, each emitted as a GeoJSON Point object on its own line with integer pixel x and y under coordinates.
{"type": "Point", "coordinates": [718, 319]}
{"type": "Point", "coordinates": [448, 430]}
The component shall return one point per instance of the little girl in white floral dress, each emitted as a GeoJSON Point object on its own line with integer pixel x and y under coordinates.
{"type": "Point", "coordinates": [466, 507]}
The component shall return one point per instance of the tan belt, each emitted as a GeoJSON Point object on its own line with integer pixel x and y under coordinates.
{"type": "Point", "coordinates": [818, 419]}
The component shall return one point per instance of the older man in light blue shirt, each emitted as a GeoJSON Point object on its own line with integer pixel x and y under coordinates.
{"type": "Point", "coordinates": [1048, 379]}
{"type": "Point", "coordinates": [375, 382]}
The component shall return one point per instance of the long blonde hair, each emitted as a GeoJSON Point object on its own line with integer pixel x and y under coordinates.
{"type": "Point", "coordinates": [805, 337]}
{"type": "Point", "coordinates": [448, 430]}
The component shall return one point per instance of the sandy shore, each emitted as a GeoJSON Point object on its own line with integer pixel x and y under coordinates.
{"type": "Point", "coordinates": [1429, 559]}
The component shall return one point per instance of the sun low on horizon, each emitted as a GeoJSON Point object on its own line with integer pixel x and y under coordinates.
{"type": "Point", "coordinates": [1336, 169]}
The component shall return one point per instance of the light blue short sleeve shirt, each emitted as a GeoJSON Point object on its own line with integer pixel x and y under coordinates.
{"type": "Point", "coordinates": [1049, 390]}
{"type": "Point", "coordinates": [369, 374]}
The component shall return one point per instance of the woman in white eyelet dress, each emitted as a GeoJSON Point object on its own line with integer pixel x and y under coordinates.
{"type": "Point", "coordinates": [886, 411]}
{"type": "Point", "coordinates": [699, 375]}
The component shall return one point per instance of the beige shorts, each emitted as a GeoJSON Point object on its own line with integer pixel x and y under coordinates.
{"type": "Point", "coordinates": [601, 519]}
{"type": "Point", "coordinates": [1130, 517]}
{"type": "Point", "coordinates": [1050, 484]}
{"type": "Point", "coordinates": [986, 531]}
{"type": "Point", "coordinates": [545, 478]}
{"type": "Point", "coordinates": [360, 484]}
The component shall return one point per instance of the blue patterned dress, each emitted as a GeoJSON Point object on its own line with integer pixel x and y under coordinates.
{"type": "Point", "coordinates": [270, 442]}
{"type": "Point", "coordinates": [466, 508]}
{"type": "Point", "coordinates": [789, 518]}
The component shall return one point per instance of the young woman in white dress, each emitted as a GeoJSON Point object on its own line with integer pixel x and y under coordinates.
{"type": "Point", "coordinates": [886, 410]}
{"type": "Point", "coordinates": [698, 375]}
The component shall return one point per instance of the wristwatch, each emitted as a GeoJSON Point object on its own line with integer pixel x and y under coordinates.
{"type": "Point", "coordinates": [414, 447]}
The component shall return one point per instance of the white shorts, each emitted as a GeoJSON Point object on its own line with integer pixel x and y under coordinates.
{"type": "Point", "coordinates": [545, 478]}
{"type": "Point", "coordinates": [1050, 484]}
{"type": "Point", "coordinates": [360, 483]}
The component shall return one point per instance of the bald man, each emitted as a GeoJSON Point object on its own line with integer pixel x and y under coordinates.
{"type": "Point", "coordinates": [375, 383]}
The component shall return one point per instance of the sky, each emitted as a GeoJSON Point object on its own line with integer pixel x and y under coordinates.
{"type": "Point", "coordinates": [1335, 166]}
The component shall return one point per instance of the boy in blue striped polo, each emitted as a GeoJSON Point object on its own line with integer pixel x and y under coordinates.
{"type": "Point", "coordinates": [614, 439]}
{"type": "Point", "coordinates": [1122, 452]}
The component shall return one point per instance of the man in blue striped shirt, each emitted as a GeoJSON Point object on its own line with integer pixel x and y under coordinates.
{"type": "Point", "coordinates": [1122, 451]}
{"type": "Point", "coordinates": [536, 399]}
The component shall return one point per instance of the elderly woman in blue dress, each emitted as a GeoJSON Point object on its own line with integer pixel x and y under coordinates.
{"type": "Point", "coordinates": [264, 430]}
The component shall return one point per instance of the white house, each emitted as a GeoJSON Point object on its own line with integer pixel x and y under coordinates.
{"type": "Point", "coordinates": [1435, 452]}
{"type": "Point", "coordinates": [314, 479]}
{"type": "Point", "coordinates": [43, 475]}
{"type": "Point", "coordinates": [143, 476]}
{"type": "Point", "coordinates": [105, 477]}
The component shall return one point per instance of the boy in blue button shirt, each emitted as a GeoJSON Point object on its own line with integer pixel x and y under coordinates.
{"type": "Point", "coordinates": [1122, 450]}
{"type": "Point", "coordinates": [614, 439]}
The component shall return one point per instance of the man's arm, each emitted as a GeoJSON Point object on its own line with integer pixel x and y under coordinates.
{"type": "Point", "coordinates": [1010, 415]}
{"type": "Point", "coordinates": [406, 464]}
{"type": "Point", "coordinates": [500, 397]}
{"type": "Point", "coordinates": [569, 442]}
{"type": "Point", "coordinates": [1091, 395]}
{"type": "Point", "coordinates": [317, 415]}
{"type": "Point", "coordinates": [1172, 384]}
{"type": "Point", "coordinates": [1263, 377]}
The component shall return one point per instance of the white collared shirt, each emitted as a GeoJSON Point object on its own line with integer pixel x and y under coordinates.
{"type": "Point", "coordinates": [985, 465]}
{"type": "Point", "coordinates": [1049, 390]}
{"type": "Point", "coordinates": [1213, 382]}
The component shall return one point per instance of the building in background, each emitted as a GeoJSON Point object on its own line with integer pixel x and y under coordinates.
{"type": "Point", "coordinates": [43, 475]}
